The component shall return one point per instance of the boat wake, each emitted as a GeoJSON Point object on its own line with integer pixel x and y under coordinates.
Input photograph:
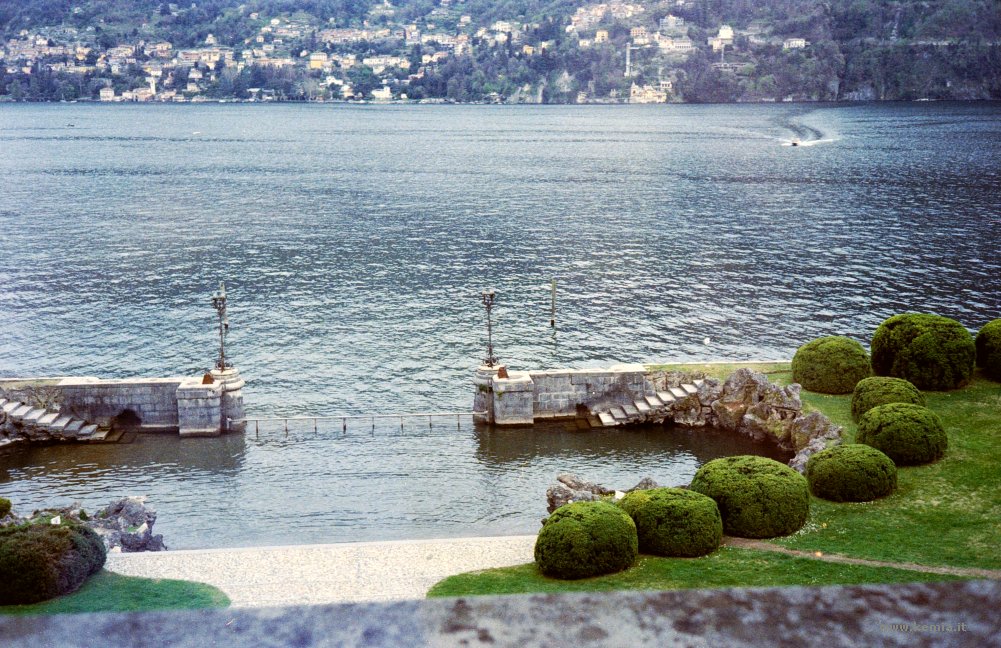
{"type": "Point", "coordinates": [802, 134]}
{"type": "Point", "coordinates": [812, 142]}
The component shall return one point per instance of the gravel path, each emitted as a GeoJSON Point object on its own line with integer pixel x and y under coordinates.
{"type": "Point", "coordinates": [760, 545]}
{"type": "Point", "coordinates": [333, 573]}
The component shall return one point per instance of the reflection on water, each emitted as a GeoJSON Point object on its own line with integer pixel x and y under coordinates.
{"type": "Point", "coordinates": [330, 486]}
{"type": "Point", "coordinates": [634, 445]}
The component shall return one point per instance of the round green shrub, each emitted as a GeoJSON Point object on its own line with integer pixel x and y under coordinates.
{"type": "Point", "coordinates": [882, 390]}
{"type": "Point", "coordinates": [851, 472]}
{"type": "Point", "coordinates": [908, 434]}
{"type": "Point", "coordinates": [586, 539]}
{"type": "Point", "coordinates": [674, 521]}
{"type": "Point", "coordinates": [757, 497]}
{"type": "Point", "coordinates": [42, 561]}
{"type": "Point", "coordinates": [4, 507]}
{"type": "Point", "coordinates": [830, 365]}
{"type": "Point", "coordinates": [988, 345]}
{"type": "Point", "coordinates": [931, 351]}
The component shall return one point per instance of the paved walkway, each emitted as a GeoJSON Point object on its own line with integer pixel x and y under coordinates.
{"type": "Point", "coordinates": [332, 573]}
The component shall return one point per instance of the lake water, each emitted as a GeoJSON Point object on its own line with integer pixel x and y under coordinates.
{"type": "Point", "coordinates": [355, 240]}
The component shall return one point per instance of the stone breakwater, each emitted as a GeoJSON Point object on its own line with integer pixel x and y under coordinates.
{"type": "Point", "coordinates": [745, 403]}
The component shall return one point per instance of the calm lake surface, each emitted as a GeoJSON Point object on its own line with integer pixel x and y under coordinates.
{"type": "Point", "coordinates": [355, 240]}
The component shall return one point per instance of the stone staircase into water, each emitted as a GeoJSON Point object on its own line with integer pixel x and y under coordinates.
{"type": "Point", "coordinates": [644, 408]}
{"type": "Point", "coordinates": [39, 424]}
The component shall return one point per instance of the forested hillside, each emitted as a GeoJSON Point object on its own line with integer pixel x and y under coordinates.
{"type": "Point", "coordinates": [557, 51]}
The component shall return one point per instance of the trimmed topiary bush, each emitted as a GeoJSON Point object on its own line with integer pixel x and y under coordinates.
{"type": "Point", "coordinates": [908, 434]}
{"type": "Point", "coordinates": [4, 507]}
{"type": "Point", "coordinates": [757, 497]}
{"type": "Point", "coordinates": [851, 472]}
{"type": "Point", "coordinates": [585, 539]}
{"type": "Point", "coordinates": [881, 390]}
{"type": "Point", "coordinates": [988, 345]}
{"type": "Point", "coordinates": [42, 561]}
{"type": "Point", "coordinates": [830, 365]}
{"type": "Point", "coordinates": [931, 351]}
{"type": "Point", "coordinates": [674, 521]}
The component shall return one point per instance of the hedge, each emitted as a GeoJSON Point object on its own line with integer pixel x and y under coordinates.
{"type": "Point", "coordinates": [908, 434]}
{"type": "Point", "coordinates": [881, 390]}
{"type": "Point", "coordinates": [585, 539]}
{"type": "Point", "coordinates": [42, 561]}
{"type": "Point", "coordinates": [851, 472]}
{"type": "Point", "coordinates": [830, 365]}
{"type": "Point", "coordinates": [674, 521]}
{"type": "Point", "coordinates": [931, 351]}
{"type": "Point", "coordinates": [757, 497]}
{"type": "Point", "coordinates": [988, 346]}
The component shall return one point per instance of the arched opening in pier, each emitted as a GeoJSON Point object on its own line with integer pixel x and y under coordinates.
{"type": "Point", "coordinates": [126, 421]}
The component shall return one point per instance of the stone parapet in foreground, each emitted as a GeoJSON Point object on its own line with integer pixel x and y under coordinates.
{"type": "Point", "coordinates": [961, 613]}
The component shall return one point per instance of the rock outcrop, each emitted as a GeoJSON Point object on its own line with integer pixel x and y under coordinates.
{"type": "Point", "coordinates": [746, 403]}
{"type": "Point", "coordinates": [571, 488]}
{"type": "Point", "coordinates": [125, 525]}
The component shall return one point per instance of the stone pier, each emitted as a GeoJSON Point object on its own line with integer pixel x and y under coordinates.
{"type": "Point", "coordinates": [189, 406]}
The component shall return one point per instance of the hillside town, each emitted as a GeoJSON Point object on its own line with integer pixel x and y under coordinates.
{"type": "Point", "coordinates": [608, 52]}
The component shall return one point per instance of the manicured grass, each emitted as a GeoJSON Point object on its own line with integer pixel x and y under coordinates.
{"type": "Point", "coordinates": [110, 592]}
{"type": "Point", "coordinates": [727, 567]}
{"type": "Point", "coordinates": [944, 514]}
{"type": "Point", "coordinates": [723, 369]}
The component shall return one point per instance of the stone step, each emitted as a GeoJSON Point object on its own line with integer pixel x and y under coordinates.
{"type": "Point", "coordinates": [691, 389]}
{"type": "Point", "coordinates": [33, 416]}
{"type": "Point", "coordinates": [60, 423]}
{"type": "Point", "coordinates": [642, 406]}
{"type": "Point", "coordinates": [630, 410]}
{"type": "Point", "coordinates": [654, 401]}
{"type": "Point", "coordinates": [10, 406]}
{"type": "Point", "coordinates": [91, 432]}
{"type": "Point", "coordinates": [699, 382]}
{"type": "Point", "coordinates": [606, 419]}
{"type": "Point", "coordinates": [667, 397]}
{"type": "Point", "coordinates": [618, 414]}
{"type": "Point", "coordinates": [74, 426]}
{"type": "Point", "coordinates": [678, 392]}
{"type": "Point", "coordinates": [48, 419]}
{"type": "Point", "coordinates": [3, 401]}
{"type": "Point", "coordinates": [114, 436]}
{"type": "Point", "coordinates": [594, 421]}
{"type": "Point", "coordinates": [19, 412]}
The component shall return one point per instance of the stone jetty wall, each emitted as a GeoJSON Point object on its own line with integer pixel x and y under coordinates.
{"type": "Point", "coordinates": [746, 403]}
{"type": "Point", "coordinates": [527, 396]}
{"type": "Point", "coordinates": [189, 406]}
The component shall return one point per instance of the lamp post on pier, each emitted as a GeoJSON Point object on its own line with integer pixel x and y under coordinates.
{"type": "Point", "coordinates": [488, 297]}
{"type": "Point", "coordinates": [219, 302]}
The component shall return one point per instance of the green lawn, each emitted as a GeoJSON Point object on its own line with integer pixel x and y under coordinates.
{"type": "Point", "coordinates": [110, 592]}
{"type": "Point", "coordinates": [944, 514]}
{"type": "Point", "coordinates": [727, 567]}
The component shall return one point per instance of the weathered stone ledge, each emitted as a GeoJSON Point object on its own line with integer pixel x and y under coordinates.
{"type": "Point", "coordinates": [916, 615]}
